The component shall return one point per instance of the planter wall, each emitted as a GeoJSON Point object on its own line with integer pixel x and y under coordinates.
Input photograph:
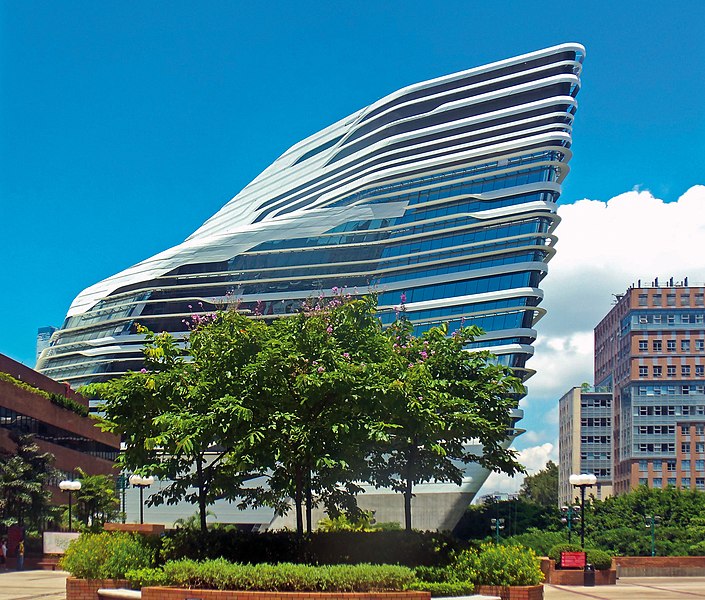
{"type": "Point", "coordinates": [659, 566]}
{"type": "Point", "coordinates": [87, 589]}
{"type": "Point", "coordinates": [514, 592]}
{"type": "Point", "coordinates": [168, 593]}
{"type": "Point", "coordinates": [575, 576]}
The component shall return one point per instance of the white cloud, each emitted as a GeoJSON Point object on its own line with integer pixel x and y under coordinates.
{"type": "Point", "coordinates": [603, 248]}
{"type": "Point", "coordinates": [533, 458]}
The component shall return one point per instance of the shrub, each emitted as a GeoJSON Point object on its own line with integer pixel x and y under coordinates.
{"type": "Point", "coordinates": [555, 552]}
{"type": "Point", "coordinates": [338, 547]}
{"type": "Point", "coordinates": [107, 555]}
{"type": "Point", "coordinates": [499, 565]}
{"type": "Point", "coordinates": [220, 574]}
{"type": "Point", "coordinates": [539, 541]}
{"type": "Point", "coordinates": [598, 558]}
{"type": "Point", "coordinates": [445, 589]}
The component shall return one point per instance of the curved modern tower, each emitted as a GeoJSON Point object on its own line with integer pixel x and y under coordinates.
{"type": "Point", "coordinates": [445, 191]}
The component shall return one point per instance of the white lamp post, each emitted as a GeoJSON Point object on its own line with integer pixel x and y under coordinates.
{"type": "Point", "coordinates": [70, 487]}
{"type": "Point", "coordinates": [141, 482]}
{"type": "Point", "coordinates": [582, 481]}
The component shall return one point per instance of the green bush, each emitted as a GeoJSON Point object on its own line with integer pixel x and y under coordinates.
{"type": "Point", "coordinates": [555, 552]}
{"type": "Point", "coordinates": [539, 541]}
{"type": "Point", "coordinates": [220, 574]}
{"type": "Point", "coordinates": [599, 558]}
{"type": "Point", "coordinates": [107, 555]}
{"type": "Point", "coordinates": [338, 547]}
{"type": "Point", "coordinates": [445, 589]}
{"type": "Point", "coordinates": [499, 565]}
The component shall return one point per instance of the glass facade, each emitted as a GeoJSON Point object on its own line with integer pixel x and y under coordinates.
{"type": "Point", "coordinates": [454, 208]}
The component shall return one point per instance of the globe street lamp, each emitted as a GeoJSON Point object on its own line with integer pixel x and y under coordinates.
{"type": "Point", "coordinates": [70, 487]}
{"type": "Point", "coordinates": [582, 481]}
{"type": "Point", "coordinates": [570, 515]}
{"type": "Point", "coordinates": [141, 482]}
{"type": "Point", "coordinates": [651, 521]}
{"type": "Point", "coordinates": [497, 525]}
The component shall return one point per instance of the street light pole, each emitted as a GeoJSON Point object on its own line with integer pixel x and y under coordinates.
{"type": "Point", "coordinates": [571, 514]}
{"type": "Point", "coordinates": [582, 481]}
{"type": "Point", "coordinates": [651, 522]}
{"type": "Point", "coordinates": [497, 525]}
{"type": "Point", "coordinates": [141, 482]}
{"type": "Point", "coordinates": [70, 487]}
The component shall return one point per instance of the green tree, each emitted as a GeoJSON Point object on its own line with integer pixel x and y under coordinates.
{"type": "Point", "coordinates": [443, 403]}
{"type": "Point", "coordinates": [542, 487]}
{"type": "Point", "coordinates": [24, 482]}
{"type": "Point", "coordinates": [96, 501]}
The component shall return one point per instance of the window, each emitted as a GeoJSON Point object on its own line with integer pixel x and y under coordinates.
{"type": "Point", "coordinates": [643, 465]}
{"type": "Point", "coordinates": [699, 299]}
{"type": "Point", "coordinates": [656, 346]}
{"type": "Point", "coordinates": [671, 465]}
{"type": "Point", "coordinates": [643, 319]}
{"type": "Point", "coordinates": [642, 299]}
{"type": "Point", "coordinates": [643, 371]}
{"type": "Point", "coordinates": [685, 430]}
{"type": "Point", "coordinates": [685, 390]}
{"type": "Point", "coordinates": [700, 370]}
{"type": "Point", "coordinates": [685, 465]}
{"type": "Point", "coordinates": [699, 429]}
{"type": "Point", "coordinates": [685, 345]}
{"type": "Point", "coordinates": [657, 466]}
{"type": "Point", "coordinates": [643, 345]}
{"type": "Point", "coordinates": [671, 319]}
{"type": "Point", "coordinates": [658, 482]}
{"type": "Point", "coordinates": [685, 447]}
{"type": "Point", "coordinates": [657, 371]}
{"type": "Point", "coordinates": [700, 483]}
{"type": "Point", "coordinates": [685, 318]}
{"type": "Point", "coordinates": [671, 345]}
{"type": "Point", "coordinates": [685, 370]}
{"type": "Point", "coordinates": [700, 345]}
{"type": "Point", "coordinates": [700, 447]}
{"type": "Point", "coordinates": [657, 299]}
{"type": "Point", "coordinates": [700, 465]}
{"type": "Point", "coordinates": [671, 370]}
{"type": "Point", "coordinates": [657, 318]}
{"type": "Point", "coordinates": [699, 318]}
{"type": "Point", "coordinates": [671, 299]}
{"type": "Point", "coordinates": [685, 482]}
{"type": "Point", "coordinates": [685, 299]}
{"type": "Point", "coordinates": [642, 390]}
{"type": "Point", "coordinates": [671, 481]}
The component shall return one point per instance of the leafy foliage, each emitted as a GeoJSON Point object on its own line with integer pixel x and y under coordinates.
{"type": "Point", "coordinates": [502, 565]}
{"type": "Point", "coordinates": [24, 479]}
{"type": "Point", "coordinates": [56, 399]}
{"type": "Point", "coordinates": [542, 487]}
{"type": "Point", "coordinates": [96, 501]}
{"type": "Point", "coordinates": [108, 555]}
{"type": "Point", "coordinates": [220, 574]}
{"type": "Point", "coordinates": [312, 404]}
{"type": "Point", "coordinates": [341, 547]}
{"type": "Point", "coordinates": [445, 589]}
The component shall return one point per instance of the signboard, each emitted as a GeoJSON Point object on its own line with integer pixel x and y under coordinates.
{"type": "Point", "coordinates": [56, 542]}
{"type": "Point", "coordinates": [573, 560]}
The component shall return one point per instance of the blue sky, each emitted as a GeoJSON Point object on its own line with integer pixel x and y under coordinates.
{"type": "Point", "coordinates": [124, 125]}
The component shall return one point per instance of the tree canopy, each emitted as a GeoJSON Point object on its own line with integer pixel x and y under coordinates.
{"type": "Point", "coordinates": [312, 404]}
{"type": "Point", "coordinates": [542, 487]}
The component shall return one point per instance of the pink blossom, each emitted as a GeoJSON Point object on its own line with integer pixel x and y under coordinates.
{"type": "Point", "coordinates": [411, 365]}
{"type": "Point", "coordinates": [329, 329]}
{"type": "Point", "coordinates": [321, 369]}
{"type": "Point", "coordinates": [403, 298]}
{"type": "Point", "coordinates": [424, 355]}
{"type": "Point", "coordinates": [143, 370]}
{"type": "Point", "coordinates": [334, 289]}
{"type": "Point", "coordinates": [346, 355]}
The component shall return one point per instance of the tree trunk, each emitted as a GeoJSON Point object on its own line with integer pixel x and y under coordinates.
{"type": "Point", "coordinates": [409, 487]}
{"type": "Point", "coordinates": [309, 502]}
{"type": "Point", "coordinates": [201, 494]}
{"type": "Point", "coordinates": [298, 493]}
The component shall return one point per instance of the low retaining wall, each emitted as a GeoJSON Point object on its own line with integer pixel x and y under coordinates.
{"type": "Point", "coordinates": [168, 593]}
{"type": "Point", "coordinates": [659, 566]}
{"type": "Point", "coordinates": [87, 589]}
{"type": "Point", "coordinates": [515, 592]}
{"type": "Point", "coordinates": [144, 528]}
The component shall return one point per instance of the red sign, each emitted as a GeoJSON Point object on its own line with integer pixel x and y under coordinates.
{"type": "Point", "coordinates": [573, 560]}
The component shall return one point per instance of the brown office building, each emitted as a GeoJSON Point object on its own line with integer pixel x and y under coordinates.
{"type": "Point", "coordinates": [32, 403]}
{"type": "Point", "coordinates": [650, 349]}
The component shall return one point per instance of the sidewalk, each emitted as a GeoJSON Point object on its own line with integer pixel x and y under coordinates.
{"type": "Point", "coordinates": [27, 585]}
{"type": "Point", "coordinates": [632, 588]}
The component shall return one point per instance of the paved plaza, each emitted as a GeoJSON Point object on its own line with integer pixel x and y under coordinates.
{"type": "Point", "coordinates": [51, 585]}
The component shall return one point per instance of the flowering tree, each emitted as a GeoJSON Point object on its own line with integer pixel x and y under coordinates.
{"type": "Point", "coordinates": [442, 401]}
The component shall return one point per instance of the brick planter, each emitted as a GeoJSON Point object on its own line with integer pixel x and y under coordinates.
{"type": "Point", "coordinates": [169, 593]}
{"type": "Point", "coordinates": [87, 589]}
{"type": "Point", "coordinates": [514, 592]}
{"type": "Point", "coordinates": [575, 576]}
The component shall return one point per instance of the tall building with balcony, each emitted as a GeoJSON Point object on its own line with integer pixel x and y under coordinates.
{"type": "Point", "coordinates": [444, 191]}
{"type": "Point", "coordinates": [650, 348]}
